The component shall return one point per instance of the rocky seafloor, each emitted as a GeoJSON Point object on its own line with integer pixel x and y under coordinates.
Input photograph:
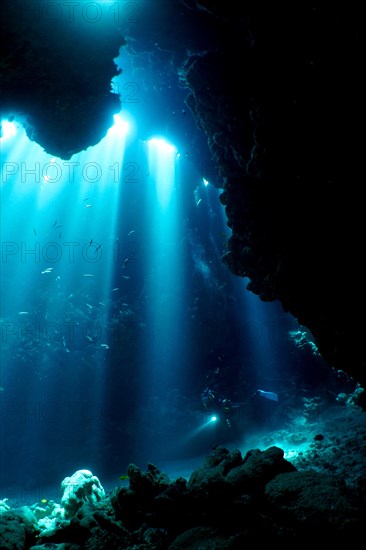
{"type": "Point", "coordinates": [298, 485]}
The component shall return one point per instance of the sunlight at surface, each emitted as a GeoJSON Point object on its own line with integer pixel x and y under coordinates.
{"type": "Point", "coordinates": [8, 130]}
{"type": "Point", "coordinates": [120, 126]}
{"type": "Point", "coordinates": [162, 146]}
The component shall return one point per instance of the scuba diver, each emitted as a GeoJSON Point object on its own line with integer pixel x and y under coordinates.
{"type": "Point", "coordinates": [217, 404]}
{"type": "Point", "coordinates": [208, 399]}
{"type": "Point", "coordinates": [213, 403]}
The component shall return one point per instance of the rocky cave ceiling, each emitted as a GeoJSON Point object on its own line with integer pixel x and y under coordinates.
{"type": "Point", "coordinates": [279, 93]}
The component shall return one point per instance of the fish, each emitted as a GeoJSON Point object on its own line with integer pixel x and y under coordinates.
{"type": "Point", "coordinates": [44, 501]}
{"type": "Point", "coordinates": [34, 231]}
{"type": "Point", "coordinates": [58, 226]}
{"type": "Point", "coordinates": [197, 196]}
{"type": "Point", "coordinates": [54, 225]}
{"type": "Point", "coordinates": [105, 346]}
{"type": "Point", "coordinates": [88, 275]}
{"type": "Point", "coordinates": [23, 312]}
{"type": "Point", "coordinates": [131, 232]}
{"type": "Point", "coordinates": [2, 389]}
{"type": "Point", "coordinates": [48, 270]}
{"type": "Point", "coordinates": [91, 242]}
{"type": "Point", "coordinates": [124, 477]}
{"type": "Point", "coordinates": [115, 289]}
{"type": "Point", "coordinates": [126, 277]}
{"type": "Point", "coordinates": [88, 205]}
{"type": "Point", "coordinates": [98, 247]}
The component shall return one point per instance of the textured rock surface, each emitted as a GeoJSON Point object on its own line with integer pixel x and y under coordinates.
{"type": "Point", "coordinates": [283, 118]}
{"type": "Point", "coordinates": [56, 72]}
{"type": "Point", "coordinates": [278, 503]}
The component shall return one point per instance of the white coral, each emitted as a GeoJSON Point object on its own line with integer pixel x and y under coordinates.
{"type": "Point", "coordinates": [3, 506]}
{"type": "Point", "coordinates": [81, 487]}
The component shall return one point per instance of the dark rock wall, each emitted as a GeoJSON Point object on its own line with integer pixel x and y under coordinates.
{"type": "Point", "coordinates": [281, 103]}
{"type": "Point", "coordinates": [55, 71]}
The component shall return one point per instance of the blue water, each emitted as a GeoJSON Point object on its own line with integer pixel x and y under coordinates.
{"type": "Point", "coordinates": [116, 309]}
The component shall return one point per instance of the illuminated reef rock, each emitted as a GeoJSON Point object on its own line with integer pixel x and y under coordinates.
{"type": "Point", "coordinates": [79, 488]}
{"type": "Point", "coordinates": [55, 72]}
{"type": "Point", "coordinates": [229, 502]}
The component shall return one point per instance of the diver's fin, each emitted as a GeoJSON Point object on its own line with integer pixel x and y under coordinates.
{"type": "Point", "coordinates": [268, 395]}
